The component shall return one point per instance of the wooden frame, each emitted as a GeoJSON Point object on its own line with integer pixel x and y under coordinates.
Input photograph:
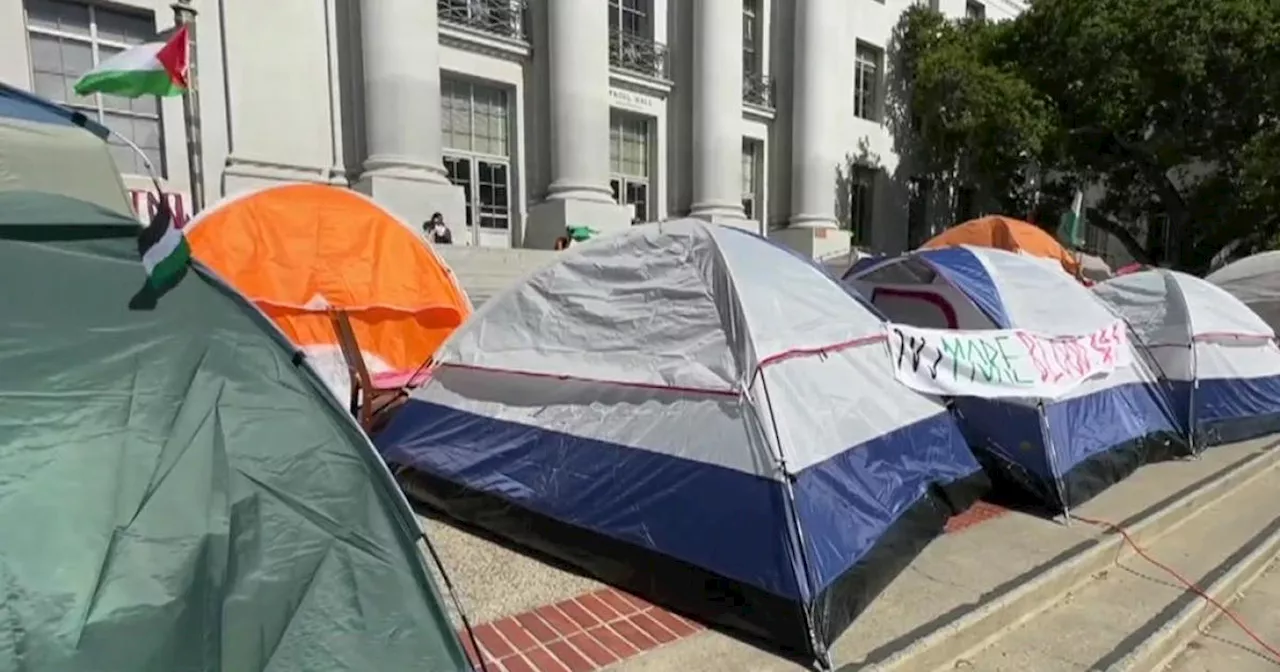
{"type": "Point", "coordinates": [368, 403]}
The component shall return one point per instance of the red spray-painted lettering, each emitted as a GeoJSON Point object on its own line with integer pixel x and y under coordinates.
{"type": "Point", "coordinates": [1035, 351]}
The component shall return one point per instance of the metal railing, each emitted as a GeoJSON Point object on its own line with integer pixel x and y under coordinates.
{"type": "Point", "coordinates": [637, 53]}
{"type": "Point", "coordinates": [757, 90]}
{"type": "Point", "coordinates": [504, 18]}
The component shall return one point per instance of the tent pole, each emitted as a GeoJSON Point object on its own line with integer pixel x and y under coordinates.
{"type": "Point", "coordinates": [1173, 289]}
{"type": "Point", "coordinates": [1192, 433]}
{"type": "Point", "coordinates": [1052, 454]}
{"type": "Point", "coordinates": [819, 647]}
{"type": "Point", "coordinates": [1192, 438]}
{"type": "Point", "coordinates": [185, 15]}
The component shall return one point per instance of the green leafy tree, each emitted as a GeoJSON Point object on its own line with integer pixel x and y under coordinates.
{"type": "Point", "coordinates": [1172, 105]}
{"type": "Point", "coordinates": [973, 119]}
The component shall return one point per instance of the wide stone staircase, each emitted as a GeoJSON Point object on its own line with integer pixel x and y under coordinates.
{"type": "Point", "coordinates": [485, 271]}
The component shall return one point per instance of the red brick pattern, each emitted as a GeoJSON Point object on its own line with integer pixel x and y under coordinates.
{"type": "Point", "coordinates": [595, 630]}
{"type": "Point", "coordinates": [581, 634]}
{"type": "Point", "coordinates": [978, 513]}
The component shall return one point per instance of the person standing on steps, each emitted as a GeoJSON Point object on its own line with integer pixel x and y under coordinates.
{"type": "Point", "coordinates": [438, 231]}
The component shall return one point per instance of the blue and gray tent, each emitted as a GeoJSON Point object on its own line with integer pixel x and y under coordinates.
{"type": "Point", "coordinates": [692, 413]}
{"type": "Point", "coordinates": [1218, 357]}
{"type": "Point", "coordinates": [1061, 452]}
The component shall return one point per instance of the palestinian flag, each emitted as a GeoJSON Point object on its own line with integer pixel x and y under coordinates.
{"type": "Point", "coordinates": [1069, 224]}
{"type": "Point", "coordinates": [155, 68]}
{"type": "Point", "coordinates": [164, 251]}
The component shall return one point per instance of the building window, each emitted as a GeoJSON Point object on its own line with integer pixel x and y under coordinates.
{"type": "Point", "coordinates": [477, 154]}
{"type": "Point", "coordinates": [866, 82]}
{"type": "Point", "coordinates": [498, 17]}
{"type": "Point", "coordinates": [1095, 239]}
{"type": "Point", "coordinates": [631, 43]}
{"type": "Point", "coordinates": [975, 11]}
{"type": "Point", "coordinates": [750, 38]}
{"type": "Point", "coordinates": [751, 164]}
{"type": "Point", "coordinates": [862, 193]}
{"type": "Point", "coordinates": [66, 40]}
{"type": "Point", "coordinates": [629, 162]}
{"type": "Point", "coordinates": [757, 88]}
{"type": "Point", "coordinates": [630, 17]}
{"type": "Point", "coordinates": [1159, 240]}
{"type": "Point", "coordinates": [918, 229]}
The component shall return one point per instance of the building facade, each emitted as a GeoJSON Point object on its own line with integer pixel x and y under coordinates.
{"type": "Point", "coordinates": [517, 118]}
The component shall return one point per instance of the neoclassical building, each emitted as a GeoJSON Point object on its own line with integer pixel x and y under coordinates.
{"type": "Point", "coordinates": [515, 118]}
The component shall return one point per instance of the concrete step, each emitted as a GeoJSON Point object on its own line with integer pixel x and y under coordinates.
{"type": "Point", "coordinates": [1220, 644]}
{"type": "Point", "coordinates": [487, 256]}
{"type": "Point", "coordinates": [483, 271]}
{"type": "Point", "coordinates": [972, 627]}
{"type": "Point", "coordinates": [1101, 623]}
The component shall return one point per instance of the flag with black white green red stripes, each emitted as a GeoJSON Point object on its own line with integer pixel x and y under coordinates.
{"type": "Point", "coordinates": [164, 250]}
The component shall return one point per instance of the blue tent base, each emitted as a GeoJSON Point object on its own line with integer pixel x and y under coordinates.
{"type": "Point", "coordinates": [746, 611]}
{"type": "Point", "coordinates": [1014, 487]}
{"type": "Point", "coordinates": [1233, 430]}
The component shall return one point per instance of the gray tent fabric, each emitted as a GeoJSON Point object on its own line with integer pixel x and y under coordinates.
{"type": "Point", "coordinates": [1093, 267]}
{"type": "Point", "coordinates": [1255, 280]}
{"type": "Point", "coordinates": [177, 491]}
{"type": "Point", "coordinates": [61, 159]}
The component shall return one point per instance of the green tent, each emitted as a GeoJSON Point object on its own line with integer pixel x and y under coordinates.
{"type": "Point", "coordinates": [49, 148]}
{"type": "Point", "coordinates": [177, 491]}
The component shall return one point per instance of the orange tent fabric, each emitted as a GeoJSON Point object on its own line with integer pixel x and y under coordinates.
{"type": "Point", "coordinates": [1006, 234]}
{"type": "Point", "coordinates": [297, 250]}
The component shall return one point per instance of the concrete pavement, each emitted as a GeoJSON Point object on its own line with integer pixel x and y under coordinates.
{"type": "Point", "coordinates": [1223, 646]}
{"type": "Point", "coordinates": [961, 584]}
{"type": "Point", "coordinates": [1096, 625]}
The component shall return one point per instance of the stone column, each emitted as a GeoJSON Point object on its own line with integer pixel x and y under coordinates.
{"type": "Point", "coordinates": [578, 101]}
{"type": "Point", "coordinates": [578, 54]}
{"type": "Point", "coordinates": [821, 107]}
{"type": "Point", "coordinates": [402, 117]}
{"type": "Point", "coordinates": [717, 111]}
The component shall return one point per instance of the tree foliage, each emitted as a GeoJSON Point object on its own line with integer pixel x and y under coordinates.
{"type": "Point", "coordinates": [1173, 106]}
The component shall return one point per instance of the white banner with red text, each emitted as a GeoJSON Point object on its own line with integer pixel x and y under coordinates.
{"type": "Point", "coordinates": [146, 202]}
{"type": "Point", "coordinates": [1003, 363]}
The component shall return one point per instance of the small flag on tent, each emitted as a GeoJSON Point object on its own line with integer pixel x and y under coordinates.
{"type": "Point", "coordinates": [1070, 223]}
{"type": "Point", "coordinates": [155, 68]}
{"type": "Point", "coordinates": [164, 251]}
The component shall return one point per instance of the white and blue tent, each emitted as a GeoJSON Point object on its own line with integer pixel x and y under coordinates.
{"type": "Point", "coordinates": [1255, 280]}
{"type": "Point", "coordinates": [1060, 451]}
{"type": "Point", "coordinates": [1219, 357]}
{"type": "Point", "coordinates": [696, 414]}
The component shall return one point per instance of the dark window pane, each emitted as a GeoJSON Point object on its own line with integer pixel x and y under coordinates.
{"type": "Point", "coordinates": [638, 196]}
{"type": "Point", "coordinates": [69, 17]}
{"type": "Point", "coordinates": [459, 170]}
{"type": "Point", "coordinates": [123, 27]}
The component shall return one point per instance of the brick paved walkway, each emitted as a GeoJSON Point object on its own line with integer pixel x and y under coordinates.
{"type": "Point", "coordinates": [597, 629]}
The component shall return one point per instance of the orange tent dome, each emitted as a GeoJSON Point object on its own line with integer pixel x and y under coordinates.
{"type": "Point", "coordinates": [298, 250]}
{"type": "Point", "coordinates": [1006, 234]}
